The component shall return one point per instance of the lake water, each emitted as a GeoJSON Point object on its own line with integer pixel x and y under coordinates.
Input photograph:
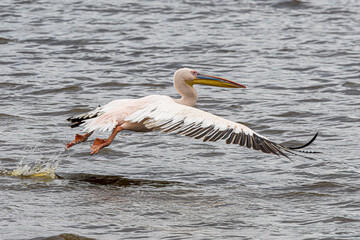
{"type": "Point", "coordinates": [300, 61]}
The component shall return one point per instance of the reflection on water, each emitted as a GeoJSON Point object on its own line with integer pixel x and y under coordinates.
{"type": "Point", "coordinates": [120, 181]}
{"type": "Point", "coordinates": [45, 170]}
{"type": "Point", "coordinates": [64, 236]}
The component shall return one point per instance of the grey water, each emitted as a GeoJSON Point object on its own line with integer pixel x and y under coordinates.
{"type": "Point", "coordinates": [300, 61]}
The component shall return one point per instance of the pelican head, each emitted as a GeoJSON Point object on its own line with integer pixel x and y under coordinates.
{"type": "Point", "coordinates": [185, 78]}
{"type": "Point", "coordinates": [191, 77]}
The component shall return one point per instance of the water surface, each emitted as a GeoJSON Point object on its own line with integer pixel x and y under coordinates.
{"type": "Point", "coordinates": [298, 59]}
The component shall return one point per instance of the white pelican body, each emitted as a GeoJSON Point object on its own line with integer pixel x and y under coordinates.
{"type": "Point", "coordinates": [165, 114]}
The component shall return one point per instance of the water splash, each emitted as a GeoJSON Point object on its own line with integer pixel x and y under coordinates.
{"type": "Point", "coordinates": [35, 165]}
{"type": "Point", "coordinates": [39, 169]}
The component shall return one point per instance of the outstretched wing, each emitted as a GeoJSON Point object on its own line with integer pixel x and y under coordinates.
{"type": "Point", "coordinates": [171, 117]}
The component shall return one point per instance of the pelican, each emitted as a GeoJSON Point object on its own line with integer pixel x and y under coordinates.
{"type": "Point", "coordinates": [168, 115]}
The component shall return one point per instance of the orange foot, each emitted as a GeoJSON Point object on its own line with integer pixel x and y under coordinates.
{"type": "Point", "coordinates": [78, 139]}
{"type": "Point", "coordinates": [98, 144]}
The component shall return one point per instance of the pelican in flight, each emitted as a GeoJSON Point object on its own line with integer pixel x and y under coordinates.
{"type": "Point", "coordinates": [168, 115]}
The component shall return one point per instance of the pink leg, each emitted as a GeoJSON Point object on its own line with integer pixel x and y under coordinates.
{"type": "Point", "coordinates": [78, 139]}
{"type": "Point", "coordinates": [101, 143]}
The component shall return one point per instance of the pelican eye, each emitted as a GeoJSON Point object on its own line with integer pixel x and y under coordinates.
{"type": "Point", "coordinates": [194, 73]}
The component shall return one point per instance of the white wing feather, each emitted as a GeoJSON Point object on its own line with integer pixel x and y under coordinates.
{"type": "Point", "coordinates": [107, 116]}
{"type": "Point", "coordinates": [188, 121]}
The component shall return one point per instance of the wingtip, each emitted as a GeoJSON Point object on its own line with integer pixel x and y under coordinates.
{"type": "Point", "coordinates": [307, 144]}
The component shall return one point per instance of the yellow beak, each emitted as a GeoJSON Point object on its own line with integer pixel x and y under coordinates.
{"type": "Point", "coordinates": [205, 79]}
